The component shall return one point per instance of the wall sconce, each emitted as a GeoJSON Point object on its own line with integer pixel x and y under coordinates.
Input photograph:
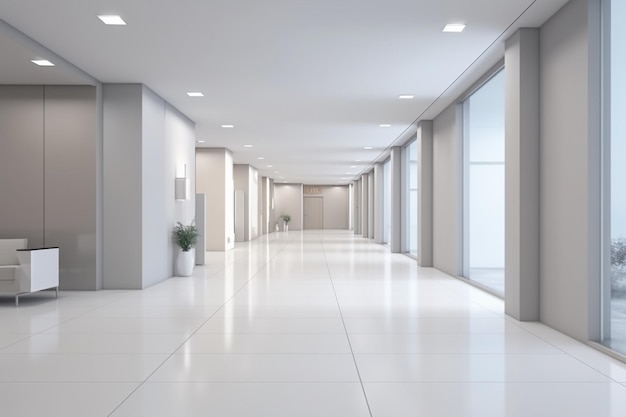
{"type": "Point", "coordinates": [182, 183]}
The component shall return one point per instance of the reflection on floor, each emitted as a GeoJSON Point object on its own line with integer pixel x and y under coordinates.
{"type": "Point", "coordinates": [618, 322]}
{"type": "Point", "coordinates": [492, 278]}
{"type": "Point", "coordinates": [296, 324]}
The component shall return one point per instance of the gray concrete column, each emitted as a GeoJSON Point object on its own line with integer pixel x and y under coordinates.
{"type": "Point", "coordinates": [425, 193]}
{"type": "Point", "coordinates": [396, 199]}
{"type": "Point", "coordinates": [377, 196]}
{"type": "Point", "coordinates": [371, 197]}
{"type": "Point", "coordinates": [365, 205]}
{"type": "Point", "coordinates": [357, 207]}
{"type": "Point", "coordinates": [522, 175]}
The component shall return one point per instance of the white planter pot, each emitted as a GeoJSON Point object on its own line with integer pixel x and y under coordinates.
{"type": "Point", "coordinates": [185, 263]}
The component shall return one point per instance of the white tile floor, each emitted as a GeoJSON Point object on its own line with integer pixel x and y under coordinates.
{"type": "Point", "coordinates": [297, 325]}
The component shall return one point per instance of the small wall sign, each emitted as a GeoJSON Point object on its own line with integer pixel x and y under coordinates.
{"type": "Point", "coordinates": [309, 189]}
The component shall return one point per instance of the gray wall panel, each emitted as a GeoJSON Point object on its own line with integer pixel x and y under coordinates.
{"type": "Point", "coordinates": [569, 182]}
{"type": "Point", "coordinates": [447, 191]}
{"type": "Point", "coordinates": [122, 186]}
{"type": "Point", "coordinates": [21, 163]}
{"type": "Point", "coordinates": [522, 175]}
{"type": "Point", "coordinates": [70, 182]}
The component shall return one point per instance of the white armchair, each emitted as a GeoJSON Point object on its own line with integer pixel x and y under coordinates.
{"type": "Point", "coordinates": [24, 271]}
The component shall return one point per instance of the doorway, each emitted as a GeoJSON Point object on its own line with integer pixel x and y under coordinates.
{"type": "Point", "coordinates": [313, 213]}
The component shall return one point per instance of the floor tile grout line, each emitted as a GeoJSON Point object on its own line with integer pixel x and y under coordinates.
{"type": "Point", "coordinates": [267, 242]}
{"type": "Point", "coordinates": [582, 362]}
{"type": "Point", "coordinates": [356, 365]}
{"type": "Point", "coordinates": [57, 325]}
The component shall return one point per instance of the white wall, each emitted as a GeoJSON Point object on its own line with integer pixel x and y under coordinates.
{"type": "Point", "coordinates": [253, 203]}
{"type": "Point", "coordinates": [156, 247]}
{"type": "Point", "coordinates": [447, 191]}
{"type": "Point", "coordinates": [288, 200]}
{"type": "Point", "coordinates": [246, 178]}
{"type": "Point", "coordinates": [336, 211]}
{"type": "Point", "coordinates": [241, 177]}
{"type": "Point", "coordinates": [168, 145]}
{"type": "Point", "coordinates": [214, 177]}
{"type": "Point", "coordinates": [229, 221]}
{"type": "Point", "coordinates": [145, 139]}
{"type": "Point", "coordinates": [265, 204]}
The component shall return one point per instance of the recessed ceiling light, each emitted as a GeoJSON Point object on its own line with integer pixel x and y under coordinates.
{"type": "Point", "coordinates": [406, 97]}
{"type": "Point", "coordinates": [352, 166]}
{"type": "Point", "coordinates": [248, 146]}
{"type": "Point", "coordinates": [260, 157]}
{"type": "Point", "coordinates": [384, 125]}
{"type": "Point", "coordinates": [201, 141]}
{"type": "Point", "coordinates": [268, 166]}
{"type": "Point", "coordinates": [368, 148]}
{"type": "Point", "coordinates": [228, 126]}
{"type": "Point", "coordinates": [195, 94]}
{"type": "Point", "coordinates": [454, 28]}
{"type": "Point", "coordinates": [42, 62]}
{"type": "Point", "coordinates": [112, 19]}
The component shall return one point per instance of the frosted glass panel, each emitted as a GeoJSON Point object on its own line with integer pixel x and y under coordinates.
{"type": "Point", "coordinates": [486, 125]}
{"type": "Point", "coordinates": [615, 288]}
{"type": "Point", "coordinates": [484, 185]}
{"type": "Point", "coordinates": [486, 206]}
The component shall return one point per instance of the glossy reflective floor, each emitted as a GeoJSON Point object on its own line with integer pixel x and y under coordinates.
{"type": "Point", "coordinates": [296, 325]}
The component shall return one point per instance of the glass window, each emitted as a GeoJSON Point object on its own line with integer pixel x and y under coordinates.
{"type": "Point", "coordinates": [484, 185]}
{"type": "Point", "coordinates": [614, 303]}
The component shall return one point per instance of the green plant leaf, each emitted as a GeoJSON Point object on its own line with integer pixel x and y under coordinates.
{"type": "Point", "coordinates": [185, 236]}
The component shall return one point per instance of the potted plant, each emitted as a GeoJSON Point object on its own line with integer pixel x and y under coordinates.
{"type": "Point", "coordinates": [185, 237]}
{"type": "Point", "coordinates": [286, 219]}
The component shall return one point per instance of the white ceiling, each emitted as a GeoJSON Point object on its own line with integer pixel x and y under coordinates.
{"type": "Point", "coordinates": [307, 82]}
